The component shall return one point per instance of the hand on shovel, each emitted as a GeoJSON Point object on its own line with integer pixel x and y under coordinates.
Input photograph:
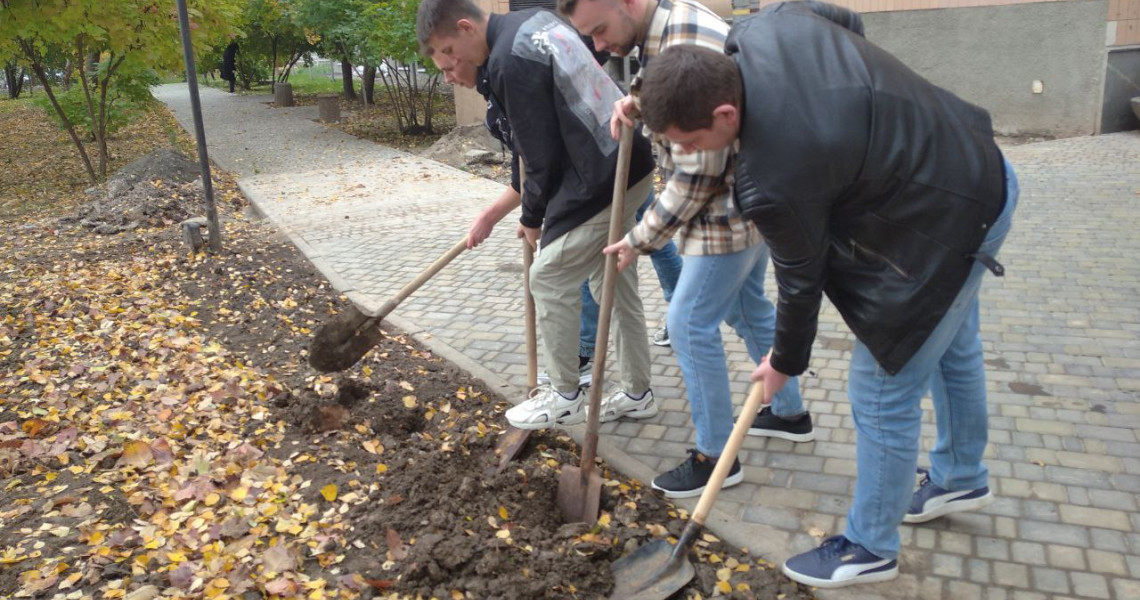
{"type": "Point", "coordinates": [772, 379]}
{"type": "Point", "coordinates": [625, 253]}
{"type": "Point", "coordinates": [530, 234]}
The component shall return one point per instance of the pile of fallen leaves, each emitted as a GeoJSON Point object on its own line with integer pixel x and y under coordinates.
{"type": "Point", "coordinates": [162, 434]}
{"type": "Point", "coordinates": [42, 168]}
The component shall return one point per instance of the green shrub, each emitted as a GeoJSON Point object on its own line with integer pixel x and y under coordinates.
{"type": "Point", "coordinates": [127, 96]}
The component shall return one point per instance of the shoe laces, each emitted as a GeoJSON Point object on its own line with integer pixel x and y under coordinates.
{"type": "Point", "coordinates": [541, 396]}
{"type": "Point", "coordinates": [834, 546]}
{"type": "Point", "coordinates": [683, 470]}
{"type": "Point", "coordinates": [926, 480]}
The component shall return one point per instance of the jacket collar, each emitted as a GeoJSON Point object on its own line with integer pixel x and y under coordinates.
{"type": "Point", "coordinates": [650, 46]}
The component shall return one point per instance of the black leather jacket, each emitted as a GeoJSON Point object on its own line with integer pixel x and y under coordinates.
{"type": "Point", "coordinates": [869, 183]}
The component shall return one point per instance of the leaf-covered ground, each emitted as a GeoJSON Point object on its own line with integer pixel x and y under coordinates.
{"type": "Point", "coordinates": [162, 434]}
{"type": "Point", "coordinates": [41, 166]}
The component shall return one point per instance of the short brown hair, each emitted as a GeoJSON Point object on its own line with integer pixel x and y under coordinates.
{"type": "Point", "coordinates": [566, 8]}
{"type": "Point", "coordinates": [439, 17]}
{"type": "Point", "coordinates": [681, 88]}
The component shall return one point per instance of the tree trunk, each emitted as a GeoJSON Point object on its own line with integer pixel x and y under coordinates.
{"type": "Point", "coordinates": [14, 77]}
{"type": "Point", "coordinates": [346, 76]}
{"type": "Point", "coordinates": [289, 66]}
{"type": "Point", "coordinates": [104, 113]}
{"type": "Point", "coordinates": [368, 84]}
{"type": "Point", "coordinates": [38, 68]}
{"type": "Point", "coordinates": [67, 68]}
{"type": "Point", "coordinates": [273, 73]}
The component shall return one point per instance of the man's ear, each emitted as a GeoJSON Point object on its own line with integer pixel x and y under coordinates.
{"type": "Point", "coordinates": [465, 26]}
{"type": "Point", "coordinates": [728, 113]}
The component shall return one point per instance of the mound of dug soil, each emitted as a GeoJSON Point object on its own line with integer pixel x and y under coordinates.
{"type": "Point", "coordinates": [471, 148]}
{"type": "Point", "coordinates": [161, 188]}
{"type": "Point", "coordinates": [440, 522]}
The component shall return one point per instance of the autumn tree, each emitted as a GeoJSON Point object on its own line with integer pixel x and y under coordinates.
{"type": "Point", "coordinates": [390, 38]}
{"type": "Point", "coordinates": [116, 45]}
{"type": "Point", "coordinates": [338, 25]}
{"type": "Point", "coordinates": [271, 31]}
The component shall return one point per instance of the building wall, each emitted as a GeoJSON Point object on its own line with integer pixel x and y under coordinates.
{"type": "Point", "coordinates": [993, 55]}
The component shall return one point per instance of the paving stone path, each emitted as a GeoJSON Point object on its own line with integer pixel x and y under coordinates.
{"type": "Point", "coordinates": [1061, 332]}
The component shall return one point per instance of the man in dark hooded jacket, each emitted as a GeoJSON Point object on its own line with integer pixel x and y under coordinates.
{"type": "Point", "coordinates": [229, 64]}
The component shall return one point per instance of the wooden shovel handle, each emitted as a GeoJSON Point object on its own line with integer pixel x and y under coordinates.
{"type": "Point", "coordinates": [531, 323]}
{"type": "Point", "coordinates": [422, 278]}
{"type": "Point", "coordinates": [731, 449]}
{"type": "Point", "coordinates": [617, 219]}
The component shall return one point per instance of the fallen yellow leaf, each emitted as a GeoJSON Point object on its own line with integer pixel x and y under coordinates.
{"type": "Point", "coordinates": [329, 492]}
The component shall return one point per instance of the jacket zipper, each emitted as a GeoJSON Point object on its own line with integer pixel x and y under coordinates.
{"type": "Point", "coordinates": [874, 254]}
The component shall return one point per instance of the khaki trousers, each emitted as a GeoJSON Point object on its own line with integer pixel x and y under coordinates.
{"type": "Point", "coordinates": [555, 279]}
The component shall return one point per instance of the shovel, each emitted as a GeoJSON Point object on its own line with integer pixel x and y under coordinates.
{"type": "Point", "coordinates": [338, 344]}
{"type": "Point", "coordinates": [580, 488]}
{"type": "Point", "coordinates": [658, 569]}
{"type": "Point", "coordinates": [512, 441]}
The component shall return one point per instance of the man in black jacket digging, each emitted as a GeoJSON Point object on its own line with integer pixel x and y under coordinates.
{"type": "Point", "coordinates": [886, 193]}
{"type": "Point", "coordinates": [537, 72]}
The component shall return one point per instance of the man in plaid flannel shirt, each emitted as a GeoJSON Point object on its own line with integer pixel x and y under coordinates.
{"type": "Point", "coordinates": [724, 256]}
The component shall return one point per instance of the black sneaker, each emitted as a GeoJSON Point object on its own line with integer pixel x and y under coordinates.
{"type": "Point", "coordinates": [690, 477]}
{"type": "Point", "coordinates": [767, 424]}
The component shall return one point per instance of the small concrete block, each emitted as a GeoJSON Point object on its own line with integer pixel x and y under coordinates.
{"type": "Point", "coordinates": [1011, 574]}
{"type": "Point", "coordinates": [1095, 517]}
{"type": "Point", "coordinates": [946, 565]}
{"type": "Point", "coordinates": [1050, 580]}
{"type": "Point", "coordinates": [1106, 562]}
{"type": "Point", "coordinates": [979, 570]}
{"type": "Point", "coordinates": [1028, 553]}
{"type": "Point", "coordinates": [1126, 588]}
{"type": "Point", "coordinates": [1089, 585]}
{"type": "Point", "coordinates": [952, 541]}
{"type": "Point", "coordinates": [1066, 557]}
{"type": "Point", "coordinates": [992, 548]}
{"type": "Point", "coordinates": [960, 590]}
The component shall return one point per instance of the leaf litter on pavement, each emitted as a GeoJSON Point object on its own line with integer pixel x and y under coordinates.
{"type": "Point", "coordinates": [162, 435]}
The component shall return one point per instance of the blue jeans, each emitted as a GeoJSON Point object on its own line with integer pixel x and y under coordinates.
{"type": "Point", "coordinates": [712, 289]}
{"type": "Point", "coordinates": [667, 264]}
{"type": "Point", "coordinates": [888, 413]}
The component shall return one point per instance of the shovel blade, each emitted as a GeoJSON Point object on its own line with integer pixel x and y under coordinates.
{"type": "Point", "coordinates": [652, 572]}
{"type": "Point", "coordinates": [577, 499]}
{"type": "Point", "coordinates": [510, 443]}
{"type": "Point", "coordinates": [340, 343]}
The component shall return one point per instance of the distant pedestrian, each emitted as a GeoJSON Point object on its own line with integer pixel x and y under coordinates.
{"type": "Point", "coordinates": [229, 60]}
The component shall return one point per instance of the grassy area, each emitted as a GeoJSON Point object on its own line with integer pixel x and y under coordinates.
{"type": "Point", "coordinates": [9, 106]}
{"type": "Point", "coordinates": [316, 79]}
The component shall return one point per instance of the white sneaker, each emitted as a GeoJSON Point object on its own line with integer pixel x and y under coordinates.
{"type": "Point", "coordinates": [619, 404]}
{"type": "Point", "coordinates": [545, 408]}
{"type": "Point", "coordinates": [585, 374]}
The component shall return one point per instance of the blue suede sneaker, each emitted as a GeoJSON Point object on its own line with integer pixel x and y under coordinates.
{"type": "Point", "coordinates": [930, 501]}
{"type": "Point", "coordinates": [839, 562]}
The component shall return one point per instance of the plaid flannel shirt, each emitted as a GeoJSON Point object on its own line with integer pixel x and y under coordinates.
{"type": "Point", "coordinates": [697, 203]}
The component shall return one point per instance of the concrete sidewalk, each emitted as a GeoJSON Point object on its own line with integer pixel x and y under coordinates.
{"type": "Point", "coordinates": [1061, 333]}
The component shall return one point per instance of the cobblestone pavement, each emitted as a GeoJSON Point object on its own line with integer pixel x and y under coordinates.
{"type": "Point", "coordinates": [1061, 333]}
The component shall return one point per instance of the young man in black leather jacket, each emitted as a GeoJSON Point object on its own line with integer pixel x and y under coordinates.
{"type": "Point", "coordinates": [886, 193]}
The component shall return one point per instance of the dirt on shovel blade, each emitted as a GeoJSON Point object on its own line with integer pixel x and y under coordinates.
{"type": "Point", "coordinates": [339, 344]}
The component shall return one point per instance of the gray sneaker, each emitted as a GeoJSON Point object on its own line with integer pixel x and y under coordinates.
{"type": "Point", "coordinates": [585, 374]}
{"type": "Point", "coordinates": [661, 337]}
